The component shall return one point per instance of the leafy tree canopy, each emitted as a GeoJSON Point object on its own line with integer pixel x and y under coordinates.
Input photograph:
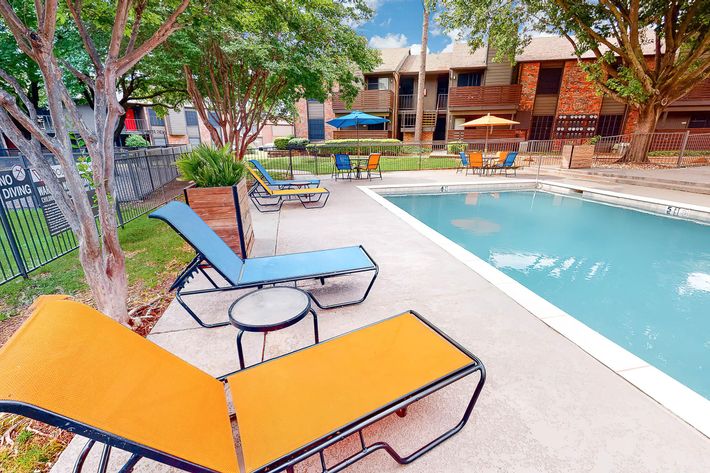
{"type": "Point", "coordinates": [615, 31]}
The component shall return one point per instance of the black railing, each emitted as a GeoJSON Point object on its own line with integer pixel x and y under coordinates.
{"type": "Point", "coordinates": [33, 231]}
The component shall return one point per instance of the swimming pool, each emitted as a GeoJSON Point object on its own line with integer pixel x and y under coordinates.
{"type": "Point", "coordinates": [642, 280]}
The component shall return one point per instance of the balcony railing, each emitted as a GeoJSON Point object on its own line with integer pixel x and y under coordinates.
{"type": "Point", "coordinates": [367, 100]}
{"type": "Point", "coordinates": [135, 125]}
{"type": "Point", "coordinates": [442, 101]}
{"type": "Point", "coordinates": [486, 96]}
{"type": "Point", "coordinates": [407, 102]}
{"type": "Point", "coordinates": [408, 120]}
{"type": "Point", "coordinates": [362, 134]}
{"type": "Point", "coordinates": [480, 133]}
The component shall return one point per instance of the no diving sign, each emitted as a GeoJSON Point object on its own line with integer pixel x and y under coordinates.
{"type": "Point", "coordinates": [15, 183]}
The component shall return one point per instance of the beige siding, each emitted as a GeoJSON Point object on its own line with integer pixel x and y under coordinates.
{"type": "Point", "coordinates": [176, 122]}
{"type": "Point", "coordinates": [612, 107]}
{"type": "Point", "coordinates": [497, 73]}
{"type": "Point", "coordinates": [545, 105]}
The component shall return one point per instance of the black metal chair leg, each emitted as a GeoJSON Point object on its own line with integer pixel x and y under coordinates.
{"type": "Point", "coordinates": [79, 464]}
{"type": "Point", "coordinates": [240, 352]}
{"type": "Point", "coordinates": [315, 326]}
{"type": "Point", "coordinates": [343, 304]}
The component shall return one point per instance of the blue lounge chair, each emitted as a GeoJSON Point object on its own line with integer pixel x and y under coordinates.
{"type": "Point", "coordinates": [464, 164]}
{"type": "Point", "coordinates": [283, 184]}
{"type": "Point", "coordinates": [342, 165]}
{"type": "Point", "coordinates": [508, 164]}
{"type": "Point", "coordinates": [239, 273]}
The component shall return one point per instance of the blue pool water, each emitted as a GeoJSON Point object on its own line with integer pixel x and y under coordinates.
{"type": "Point", "coordinates": [641, 280]}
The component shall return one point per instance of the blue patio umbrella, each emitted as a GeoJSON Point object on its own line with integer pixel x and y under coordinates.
{"type": "Point", "coordinates": [356, 118]}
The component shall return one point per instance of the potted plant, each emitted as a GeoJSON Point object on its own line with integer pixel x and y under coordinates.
{"type": "Point", "coordinates": [219, 194]}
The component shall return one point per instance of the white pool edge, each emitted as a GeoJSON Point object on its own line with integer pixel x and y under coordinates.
{"type": "Point", "coordinates": [685, 403]}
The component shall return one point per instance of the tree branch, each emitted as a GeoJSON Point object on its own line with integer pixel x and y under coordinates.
{"type": "Point", "coordinates": [166, 29]}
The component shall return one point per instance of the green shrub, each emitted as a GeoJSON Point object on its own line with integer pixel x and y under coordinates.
{"type": "Point", "coordinates": [136, 141]}
{"type": "Point", "coordinates": [207, 166]}
{"type": "Point", "coordinates": [386, 146]}
{"type": "Point", "coordinates": [455, 147]}
{"type": "Point", "coordinates": [298, 143]}
{"type": "Point", "coordinates": [282, 142]}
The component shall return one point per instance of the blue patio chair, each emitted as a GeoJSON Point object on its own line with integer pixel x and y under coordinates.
{"type": "Point", "coordinates": [508, 164]}
{"type": "Point", "coordinates": [239, 273]}
{"type": "Point", "coordinates": [464, 164]}
{"type": "Point", "coordinates": [342, 165]}
{"type": "Point", "coordinates": [283, 184]}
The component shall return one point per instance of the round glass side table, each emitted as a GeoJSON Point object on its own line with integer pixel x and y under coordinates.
{"type": "Point", "coordinates": [267, 310]}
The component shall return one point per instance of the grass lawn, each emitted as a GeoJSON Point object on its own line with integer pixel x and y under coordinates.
{"type": "Point", "coordinates": [387, 163]}
{"type": "Point", "coordinates": [154, 253]}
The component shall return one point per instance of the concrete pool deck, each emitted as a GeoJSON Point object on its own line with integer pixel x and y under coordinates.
{"type": "Point", "coordinates": [547, 405]}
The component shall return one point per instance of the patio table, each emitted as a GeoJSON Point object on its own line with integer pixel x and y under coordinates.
{"type": "Point", "coordinates": [357, 160]}
{"type": "Point", "coordinates": [267, 310]}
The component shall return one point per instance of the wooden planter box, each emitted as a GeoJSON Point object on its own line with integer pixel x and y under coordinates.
{"type": "Point", "coordinates": [226, 211]}
{"type": "Point", "coordinates": [577, 156]}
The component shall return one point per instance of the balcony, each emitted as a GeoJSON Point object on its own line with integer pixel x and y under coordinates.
{"type": "Point", "coordinates": [442, 101]}
{"type": "Point", "coordinates": [480, 134]}
{"type": "Point", "coordinates": [362, 134]}
{"type": "Point", "coordinates": [407, 120]}
{"type": "Point", "coordinates": [366, 101]}
{"type": "Point", "coordinates": [407, 102]}
{"type": "Point", "coordinates": [135, 126]}
{"type": "Point", "coordinates": [484, 97]}
{"type": "Point", "coordinates": [698, 95]}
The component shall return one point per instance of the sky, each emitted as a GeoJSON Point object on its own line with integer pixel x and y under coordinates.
{"type": "Point", "coordinates": [398, 24]}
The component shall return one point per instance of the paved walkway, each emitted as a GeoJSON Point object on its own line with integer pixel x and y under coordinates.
{"type": "Point", "coordinates": [547, 406]}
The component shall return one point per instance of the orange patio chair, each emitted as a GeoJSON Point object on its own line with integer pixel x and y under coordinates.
{"type": "Point", "coordinates": [475, 162]}
{"type": "Point", "coordinates": [74, 368]}
{"type": "Point", "coordinates": [372, 166]}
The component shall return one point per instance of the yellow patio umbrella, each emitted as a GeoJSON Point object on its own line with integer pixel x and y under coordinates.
{"type": "Point", "coordinates": [489, 121]}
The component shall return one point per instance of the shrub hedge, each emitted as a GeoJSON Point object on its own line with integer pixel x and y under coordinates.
{"type": "Point", "coordinates": [455, 147]}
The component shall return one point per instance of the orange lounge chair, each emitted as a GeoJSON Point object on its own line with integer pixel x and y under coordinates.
{"type": "Point", "coordinates": [74, 368]}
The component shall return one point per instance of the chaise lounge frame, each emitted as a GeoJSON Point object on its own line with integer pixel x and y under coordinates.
{"type": "Point", "coordinates": [266, 199]}
{"type": "Point", "coordinates": [201, 262]}
{"type": "Point", "coordinates": [288, 461]}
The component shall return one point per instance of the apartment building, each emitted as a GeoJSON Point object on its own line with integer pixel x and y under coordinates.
{"type": "Point", "coordinates": [546, 91]}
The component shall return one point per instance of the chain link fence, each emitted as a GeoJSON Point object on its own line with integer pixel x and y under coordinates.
{"type": "Point", "coordinates": [33, 231]}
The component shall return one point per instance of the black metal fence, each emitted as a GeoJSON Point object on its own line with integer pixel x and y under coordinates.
{"type": "Point", "coordinates": [33, 231]}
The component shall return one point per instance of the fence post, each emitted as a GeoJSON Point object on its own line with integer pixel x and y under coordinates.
{"type": "Point", "coordinates": [290, 162]}
{"type": "Point", "coordinates": [683, 144]}
{"type": "Point", "coordinates": [11, 240]}
{"type": "Point", "coordinates": [420, 155]}
{"type": "Point", "coordinates": [121, 223]}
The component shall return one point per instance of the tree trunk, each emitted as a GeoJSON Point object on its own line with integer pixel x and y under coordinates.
{"type": "Point", "coordinates": [641, 139]}
{"type": "Point", "coordinates": [418, 123]}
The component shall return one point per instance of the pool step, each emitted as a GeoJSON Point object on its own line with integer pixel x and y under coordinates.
{"type": "Point", "coordinates": [603, 176]}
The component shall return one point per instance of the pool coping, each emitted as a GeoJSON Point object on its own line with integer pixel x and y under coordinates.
{"type": "Point", "coordinates": [685, 403]}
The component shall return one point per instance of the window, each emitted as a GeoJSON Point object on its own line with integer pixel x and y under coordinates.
{"type": "Point", "coordinates": [548, 81]}
{"type": "Point", "coordinates": [155, 120]}
{"type": "Point", "coordinates": [609, 125]}
{"type": "Point", "coordinates": [699, 120]}
{"type": "Point", "coordinates": [541, 127]}
{"type": "Point", "coordinates": [191, 118]}
{"type": "Point", "coordinates": [378, 83]}
{"type": "Point", "coordinates": [469, 79]}
{"type": "Point", "coordinates": [316, 120]}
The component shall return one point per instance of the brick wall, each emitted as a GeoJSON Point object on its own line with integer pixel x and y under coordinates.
{"type": "Point", "coordinates": [528, 81]}
{"type": "Point", "coordinates": [632, 118]}
{"type": "Point", "coordinates": [329, 115]}
{"type": "Point", "coordinates": [577, 96]}
{"type": "Point", "coordinates": [301, 122]}
{"type": "Point", "coordinates": [427, 136]}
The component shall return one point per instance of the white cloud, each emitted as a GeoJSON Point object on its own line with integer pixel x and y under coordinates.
{"type": "Point", "coordinates": [453, 38]}
{"type": "Point", "coordinates": [390, 40]}
{"type": "Point", "coordinates": [416, 48]}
